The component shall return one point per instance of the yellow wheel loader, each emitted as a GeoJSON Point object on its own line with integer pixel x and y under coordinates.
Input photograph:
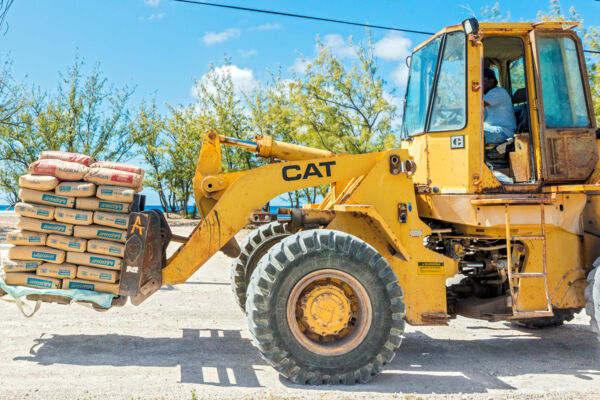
{"type": "Point", "coordinates": [446, 225]}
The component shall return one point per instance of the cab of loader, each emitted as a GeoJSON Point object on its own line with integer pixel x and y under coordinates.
{"type": "Point", "coordinates": [541, 66]}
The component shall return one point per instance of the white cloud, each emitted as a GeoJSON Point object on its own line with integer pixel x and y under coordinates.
{"type": "Point", "coordinates": [393, 47]}
{"type": "Point", "coordinates": [269, 27]}
{"type": "Point", "coordinates": [152, 3]}
{"type": "Point", "coordinates": [243, 79]}
{"type": "Point", "coordinates": [211, 38]}
{"type": "Point", "coordinates": [400, 74]}
{"type": "Point", "coordinates": [156, 16]}
{"type": "Point", "coordinates": [339, 46]}
{"type": "Point", "coordinates": [247, 53]}
{"type": "Point", "coordinates": [300, 65]}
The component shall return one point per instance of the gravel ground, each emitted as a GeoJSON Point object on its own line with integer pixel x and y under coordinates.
{"type": "Point", "coordinates": [191, 341]}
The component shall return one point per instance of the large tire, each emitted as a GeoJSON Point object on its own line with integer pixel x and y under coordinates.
{"type": "Point", "coordinates": [561, 315]}
{"type": "Point", "coordinates": [254, 247]}
{"type": "Point", "coordinates": [592, 295]}
{"type": "Point", "coordinates": [343, 273]}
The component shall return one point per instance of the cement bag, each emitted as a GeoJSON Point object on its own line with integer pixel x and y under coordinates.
{"type": "Point", "coordinates": [105, 176]}
{"type": "Point", "coordinates": [31, 280]}
{"type": "Point", "coordinates": [34, 211]}
{"type": "Point", "coordinates": [74, 216]}
{"type": "Point", "coordinates": [26, 238]}
{"type": "Point", "coordinates": [111, 219]}
{"type": "Point", "coordinates": [76, 189]}
{"type": "Point", "coordinates": [106, 247]}
{"type": "Point", "coordinates": [120, 166]}
{"type": "Point", "coordinates": [67, 243]}
{"type": "Point", "coordinates": [19, 266]}
{"type": "Point", "coordinates": [97, 274]}
{"type": "Point", "coordinates": [38, 182]}
{"type": "Point", "coordinates": [34, 196]}
{"type": "Point", "coordinates": [100, 232]}
{"type": "Point", "coordinates": [115, 193]}
{"type": "Point", "coordinates": [64, 270]}
{"type": "Point", "coordinates": [38, 225]}
{"type": "Point", "coordinates": [100, 287]}
{"type": "Point", "coordinates": [64, 170]}
{"type": "Point", "coordinates": [93, 203]}
{"type": "Point", "coordinates": [36, 253]}
{"type": "Point", "coordinates": [66, 156]}
{"type": "Point", "coordinates": [94, 260]}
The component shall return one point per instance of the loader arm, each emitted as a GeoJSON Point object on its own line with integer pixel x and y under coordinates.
{"type": "Point", "coordinates": [227, 200]}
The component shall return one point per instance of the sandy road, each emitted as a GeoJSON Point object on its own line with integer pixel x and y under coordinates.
{"type": "Point", "coordinates": [193, 337]}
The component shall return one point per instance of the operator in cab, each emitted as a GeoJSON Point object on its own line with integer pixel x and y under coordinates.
{"type": "Point", "coordinates": [499, 123]}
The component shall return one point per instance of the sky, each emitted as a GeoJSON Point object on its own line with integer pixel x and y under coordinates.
{"type": "Point", "coordinates": [161, 47]}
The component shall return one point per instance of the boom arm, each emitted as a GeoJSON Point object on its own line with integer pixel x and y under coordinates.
{"type": "Point", "coordinates": [226, 200]}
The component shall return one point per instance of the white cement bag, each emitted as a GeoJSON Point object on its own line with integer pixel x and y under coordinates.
{"type": "Point", "coordinates": [64, 170]}
{"type": "Point", "coordinates": [63, 271]}
{"type": "Point", "coordinates": [106, 247]}
{"type": "Point", "coordinates": [111, 219]}
{"type": "Point", "coordinates": [38, 182]}
{"type": "Point", "coordinates": [74, 216]}
{"type": "Point", "coordinates": [35, 211]}
{"type": "Point", "coordinates": [94, 260]}
{"type": "Point", "coordinates": [97, 274]}
{"type": "Point", "coordinates": [38, 225]}
{"type": "Point", "coordinates": [36, 253]}
{"type": "Point", "coordinates": [76, 189]}
{"type": "Point", "coordinates": [31, 280]}
{"type": "Point", "coordinates": [19, 266]}
{"type": "Point", "coordinates": [115, 193]}
{"type": "Point", "coordinates": [100, 287]}
{"type": "Point", "coordinates": [66, 156]}
{"type": "Point", "coordinates": [26, 238]}
{"type": "Point", "coordinates": [67, 243]}
{"type": "Point", "coordinates": [120, 166]}
{"type": "Point", "coordinates": [100, 232]}
{"type": "Point", "coordinates": [50, 198]}
{"type": "Point", "coordinates": [93, 203]}
{"type": "Point", "coordinates": [105, 176]}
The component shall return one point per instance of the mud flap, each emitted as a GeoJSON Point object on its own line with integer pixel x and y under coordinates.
{"type": "Point", "coordinates": [148, 236]}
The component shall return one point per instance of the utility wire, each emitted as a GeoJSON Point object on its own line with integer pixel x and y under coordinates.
{"type": "Point", "coordinates": [337, 21]}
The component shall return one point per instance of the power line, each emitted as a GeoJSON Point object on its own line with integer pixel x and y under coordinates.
{"type": "Point", "coordinates": [337, 21]}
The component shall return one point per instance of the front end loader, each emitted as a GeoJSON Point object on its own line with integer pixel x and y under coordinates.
{"type": "Point", "coordinates": [446, 225]}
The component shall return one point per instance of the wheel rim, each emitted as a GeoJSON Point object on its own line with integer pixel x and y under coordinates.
{"type": "Point", "coordinates": [329, 312]}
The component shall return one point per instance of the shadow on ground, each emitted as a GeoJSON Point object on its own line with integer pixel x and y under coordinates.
{"type": "Point", "coordinates": [224, 353]}
{"type": "Point", "coordinates": [423, 364]}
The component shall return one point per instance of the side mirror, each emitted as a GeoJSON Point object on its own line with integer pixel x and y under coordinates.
{"type": "Point", "coordinates": [408, 60]}
{"type": "Point", "coordinates": [470, 26]}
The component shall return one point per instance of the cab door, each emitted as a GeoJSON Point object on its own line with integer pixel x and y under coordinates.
{"type": "Point", "coordinates": [564, 107]}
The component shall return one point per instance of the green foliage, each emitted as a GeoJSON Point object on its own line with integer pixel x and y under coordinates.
{"type": "Point", "coordinates": [343, 109]}
{"type": "Point", "coordinates": [85, 115]}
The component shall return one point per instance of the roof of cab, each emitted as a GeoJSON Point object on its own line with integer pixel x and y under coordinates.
{"type": "Point", "coordinates": [487, 28]}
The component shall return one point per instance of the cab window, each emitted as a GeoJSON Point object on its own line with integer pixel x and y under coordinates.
{"type": "Point", "coordinates": [562, 86]}
{"type": "Point", "coordinates": [450, 103]}
{"type": "Point", "coordinates": [420, 82]}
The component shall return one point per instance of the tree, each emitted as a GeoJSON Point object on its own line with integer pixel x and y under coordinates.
{"type": "Point", "coordinates": [85, 115]}
{"type": "Point", "coordinates": [343, 109]}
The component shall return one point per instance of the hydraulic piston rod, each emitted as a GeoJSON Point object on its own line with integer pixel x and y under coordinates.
{"type": "Point", "coordinates": [266, 147]}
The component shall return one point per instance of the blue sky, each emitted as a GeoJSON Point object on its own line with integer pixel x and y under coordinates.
{"type": "Point", "coordinates": [161, 46]}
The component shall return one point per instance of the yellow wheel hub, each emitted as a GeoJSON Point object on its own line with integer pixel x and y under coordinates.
{"type": "Point", "coordinates": [325, 309]}
{"type": "Point", "coordinates": [329, 312]}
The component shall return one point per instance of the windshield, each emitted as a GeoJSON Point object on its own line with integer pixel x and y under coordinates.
{"type": "Point", "coordinates": [420, 82]}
